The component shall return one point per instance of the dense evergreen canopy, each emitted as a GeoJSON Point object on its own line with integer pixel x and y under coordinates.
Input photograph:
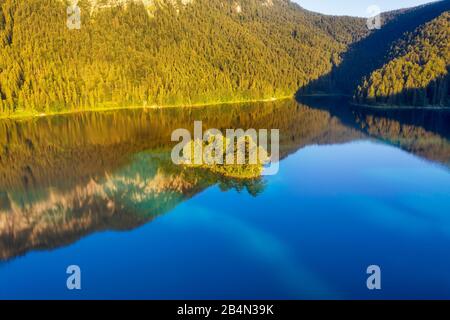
{"type": "Point", "coordinates": [417, 71]}
{"type": "Point", "coordinates": [184, 52]}
{"type": "Point", "coordinates": [169, 53]}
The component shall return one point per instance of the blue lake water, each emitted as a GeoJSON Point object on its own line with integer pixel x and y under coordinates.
{"type": "Point", "coordinates": [355, 188]}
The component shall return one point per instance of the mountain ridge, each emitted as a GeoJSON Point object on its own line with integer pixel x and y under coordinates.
{"type": "Point", "coordinates": [375, 51]}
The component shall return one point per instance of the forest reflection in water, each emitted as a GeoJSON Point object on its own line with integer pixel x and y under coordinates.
{"type": "Point", "coordinates": [64, 177]}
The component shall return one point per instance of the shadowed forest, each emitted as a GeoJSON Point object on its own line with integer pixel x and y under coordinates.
{"type": "Point", "coordinates": [404, 63]}
{"type": "Point", "coordinates": [211, 51]}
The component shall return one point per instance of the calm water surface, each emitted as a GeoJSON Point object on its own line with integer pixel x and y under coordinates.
{"type": "Point", "coordinates": [356, 187]}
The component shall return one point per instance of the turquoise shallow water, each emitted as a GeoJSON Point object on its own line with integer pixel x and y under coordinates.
{"type": "Point", "coordinates": [347, 196]}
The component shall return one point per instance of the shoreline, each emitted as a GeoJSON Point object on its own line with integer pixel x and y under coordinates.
{"type": "Point", "coordinates": [396, 107]}
{"type": "Point", "coordinates": [28, 116]}
{"type": "Point", "coordinates": [321, 95]}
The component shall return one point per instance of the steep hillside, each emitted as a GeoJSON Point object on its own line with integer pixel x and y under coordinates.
{"type": "Point", "coordinates": [164, 52]}
{"type": "Point", "coordinates": [417, 71]}
{"type": "Point", "coordinates": [366, 58]}
{"type": "Point", "coordinates": [185, 52]}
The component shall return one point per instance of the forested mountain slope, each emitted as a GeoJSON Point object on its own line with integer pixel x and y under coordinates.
{"type": "Point", "coordinates": [163, 52]}
{"type": "Point", "coordinates": [185, 52]}
{"type": "Point", "coordinates": [419, 37]}
{"type": "Point", "coordinates": [417, 71]}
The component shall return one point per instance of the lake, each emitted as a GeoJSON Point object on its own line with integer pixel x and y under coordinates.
{"type": "Point", "coordinates": [356, 187]}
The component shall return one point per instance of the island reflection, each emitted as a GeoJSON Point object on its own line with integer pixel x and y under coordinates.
{"type": "Point", "coordinates": [65, 177]}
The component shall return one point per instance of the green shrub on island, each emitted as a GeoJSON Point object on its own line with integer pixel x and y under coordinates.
{"type": "Point", "coordinates": [241, 158]}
